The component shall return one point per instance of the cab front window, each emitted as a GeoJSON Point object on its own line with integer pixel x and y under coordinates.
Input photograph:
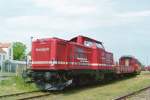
{"type": "Point", "coordinates": [98, 45]}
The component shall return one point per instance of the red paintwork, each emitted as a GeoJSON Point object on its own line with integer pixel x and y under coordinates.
{"type": "Point", "coordinates": [147, 68]}
{"type": "Point", "coordinates": [58, 54]}
{"type": "Point", "coordinates": [129, 64]}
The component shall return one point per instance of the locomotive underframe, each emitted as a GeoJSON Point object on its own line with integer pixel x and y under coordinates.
{"type": "Point", "coordinates": [58, 80]}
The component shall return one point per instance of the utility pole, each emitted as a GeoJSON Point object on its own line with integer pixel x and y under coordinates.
{"type": "Point", "coordinates": [30, 59]}
{"type": "Point", "coordinates": [31, 41]}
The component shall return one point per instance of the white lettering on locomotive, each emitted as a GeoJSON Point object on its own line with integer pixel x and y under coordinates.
{"type": "Point", "coordinates": [42, 49]}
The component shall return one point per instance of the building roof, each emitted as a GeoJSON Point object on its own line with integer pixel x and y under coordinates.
{"type": "Point", "coordinates": [2, 51]}
{"type": "Point", "coordinates": [5, 45]}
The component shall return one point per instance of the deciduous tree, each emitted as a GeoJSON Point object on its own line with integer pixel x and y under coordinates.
{"type": "Point", "coordinates": [19, 50]}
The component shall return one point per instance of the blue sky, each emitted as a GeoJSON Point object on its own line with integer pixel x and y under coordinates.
{"type": "Point", "coordinates": [123, 25]}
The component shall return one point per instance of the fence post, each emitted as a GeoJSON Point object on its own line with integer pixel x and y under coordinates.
{"type": "Point", "coordinates": [17, 70]}
{"type": "Point", "coordinates": [10, 67]}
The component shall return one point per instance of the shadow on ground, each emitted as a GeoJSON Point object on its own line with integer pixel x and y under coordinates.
{"type": "Point", "coordinates": [77, 89]}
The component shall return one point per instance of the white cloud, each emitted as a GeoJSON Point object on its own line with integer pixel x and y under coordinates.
{"type": "Point", "coordinates": [69, 16]}
{"type": "Point", "coordinates": [65, 6]}
{"type": "Point", "coordinates": [135, 14]}
{"type": "Point", "coordinates": [66, 16]}
{"type": "Point", "coordinates": [56, 24]}
{"type": "Point", "coordinates": [75, 7]}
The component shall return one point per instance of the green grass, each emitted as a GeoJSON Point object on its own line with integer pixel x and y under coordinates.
{"type": "Point", "coordinates": [105, 92]}
{"type": "Point", "coordinates": [95, 92]}
{"type": "Point", "coordinates": [14, 85]}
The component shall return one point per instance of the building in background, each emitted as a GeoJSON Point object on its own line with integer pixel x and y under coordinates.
{"type": "Point", "coordinates": [6, 53]}
{"type": "Point", "coordinates": [7, 47]}
{"type": "Point", "coordinates": [7, 63]}
{"type": "Point", "coordinates": [2, 57]}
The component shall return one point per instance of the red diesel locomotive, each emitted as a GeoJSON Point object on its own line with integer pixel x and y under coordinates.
{"type": "Point", "coordinates": [58, 63]}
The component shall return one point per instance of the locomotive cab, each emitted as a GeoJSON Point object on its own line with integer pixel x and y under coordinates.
{"type": "Point", "coordinates": [88, 42]}
{"type": "Point", "coordinates": [100, 55]}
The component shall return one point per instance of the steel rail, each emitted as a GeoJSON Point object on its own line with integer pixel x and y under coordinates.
{"type": "Point", "coordinates": [34, 97]}
{"type": "Point", "coordinates": [132, 94]}
{"type": "Point", "coordinates": [17, 94]}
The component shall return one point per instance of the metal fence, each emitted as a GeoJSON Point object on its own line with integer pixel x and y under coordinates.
{"type": "Point", "coordinates": [13, 66]}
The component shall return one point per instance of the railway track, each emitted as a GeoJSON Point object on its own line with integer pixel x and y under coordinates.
{"type": "Point", "coordinates": [5, 77]}
{"type": "Point", "coordinates": [25, 95]}
{"type": "Point", "coordinates": [125, 97]}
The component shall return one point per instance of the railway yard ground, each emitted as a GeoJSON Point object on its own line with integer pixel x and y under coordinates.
{"type": "Point", "coordinates": [143, 95]}
{"type": "Point", "coordinates": [105, 91]}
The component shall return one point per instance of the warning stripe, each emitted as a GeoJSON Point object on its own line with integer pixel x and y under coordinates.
{"type": "Point", "coordinates": [69, 63]}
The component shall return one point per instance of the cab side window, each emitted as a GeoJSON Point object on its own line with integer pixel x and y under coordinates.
{"type": "Point", "coordinates": [88, 43]}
